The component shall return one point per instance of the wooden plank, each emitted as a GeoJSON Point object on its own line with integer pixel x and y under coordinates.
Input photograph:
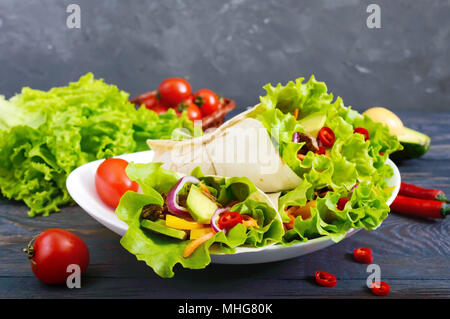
{"type": "Point", "coordinates": [413, 253]}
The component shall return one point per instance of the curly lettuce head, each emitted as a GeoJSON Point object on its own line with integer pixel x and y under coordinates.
{"type": "Point", "coordinates": [45, 135]}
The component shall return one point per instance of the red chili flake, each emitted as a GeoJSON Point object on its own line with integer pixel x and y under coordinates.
{"type": "Point", "coordinates": [325, 279]}
{"type": "Point", "coordinates": [341, 203]}
{"type": "Point", "coordinates": [363, 131]}
{"type": "Point", "coordinates": [321, 150]}
{"type": "Point", "coordinates": [380, 288]}
{"type": "Point", "coordinates": [326, 136]}
{"type": "Point", "coordinates": [363, 255]}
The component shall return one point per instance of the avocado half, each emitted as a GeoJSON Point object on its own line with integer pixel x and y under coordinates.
{"type": "Point", "coordinates": [415, 144]}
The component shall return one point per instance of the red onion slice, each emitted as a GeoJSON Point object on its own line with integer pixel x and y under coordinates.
{"type": "Point", "coordinates": [296, 137]}
{"type": "Point", "coordinates": [215, 218]}
{"type": "Point", "coordinates": [172, 197]}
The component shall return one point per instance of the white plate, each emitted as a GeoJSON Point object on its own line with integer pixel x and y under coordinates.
{"type": "Point", "coordinates": [81, 187]}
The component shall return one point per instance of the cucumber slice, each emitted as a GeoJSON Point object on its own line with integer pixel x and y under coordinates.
{"type": "Point", "coordinates": [160, 227]}
{"type": "Point", "coordinates": [313, 123]}
{"type": "Point", "coordinates": [415, 144]}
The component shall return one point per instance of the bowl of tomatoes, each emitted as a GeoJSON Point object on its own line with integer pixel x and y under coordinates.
{"type": "Point", "coordinates": [203, 105]}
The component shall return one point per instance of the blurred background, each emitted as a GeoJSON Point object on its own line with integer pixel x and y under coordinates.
{"type": "Point", "coordinates": [235, 47]}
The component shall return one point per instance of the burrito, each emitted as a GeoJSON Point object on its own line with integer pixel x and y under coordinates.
{"type": "Point", "coordinates": [182, 219]}
{"type": "Point", "coordinates": [327, 160]}
{"type": "Point", "coordinates": [241, 147]}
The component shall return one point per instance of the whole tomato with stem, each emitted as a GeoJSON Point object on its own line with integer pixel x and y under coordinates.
{"type": "Point", "coordinates": [172, 91]}
{"type": "Point", "coordinates": [111, 181]}
{"type": "Point", "coordinates": [193, 111]}
{"type": "Point", "coordinates": [151, 100]}
{"type": "Point", "coordinates": [52, 251]}
{"type": "Point", "coordinates": [207, 100]}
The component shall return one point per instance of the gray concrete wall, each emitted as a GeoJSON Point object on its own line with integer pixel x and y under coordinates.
{"type": "Point", "coordinates": [235, 47]}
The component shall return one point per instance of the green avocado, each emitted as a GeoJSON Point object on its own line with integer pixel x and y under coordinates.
{"type": "Point", "coordinates": [200, 206]}
{"type": "Point", "coordinates": [160, 227]}
{"type": "Point", "coordinates": [313, 123]}
{"type": "Point", "coordinates": [415, 144]}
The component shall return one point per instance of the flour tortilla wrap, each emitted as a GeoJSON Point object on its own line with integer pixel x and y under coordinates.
{"type": "Point", "coordinates": [161, 252]}
{"type": "Point", "coordinates": [240, 147]}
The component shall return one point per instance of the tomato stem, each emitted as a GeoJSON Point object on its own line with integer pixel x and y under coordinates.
{"type": "Point", "coordinates": [29, 250]}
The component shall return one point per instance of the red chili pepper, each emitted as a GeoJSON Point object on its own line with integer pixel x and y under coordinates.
{"type": "Point", "coordinates": [321, 150]}
{"type": "Point", "coordinates": [419, 192]}
{"type": "Point", "coordinates": [325, 279]}
{"type": "Point", "coordinates": [341, 203]}
{"type": "Point", "coordinates": [363, 131]}
{"type": "Point", "coordinates": [420, 207]}
{"type": "Point", "coordinates": [363, 255]}
{"type": "Point", "coordinates": [326, 136]}
{"type": "Point", "coordinates": [380, 288]}
{"type": "Point", "coordinates": [228, 220]}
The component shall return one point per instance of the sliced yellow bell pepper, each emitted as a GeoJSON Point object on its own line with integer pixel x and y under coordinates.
{"type": "Point", "coordinates": [197, 233]}
{"type": "Point", "coordinates": [180, 223]}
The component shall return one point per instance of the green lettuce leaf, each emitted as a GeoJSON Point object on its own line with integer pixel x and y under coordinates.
{"type": "Point", "coordinates": [161, 252]}
{"type": "Point", "coordinates": [350, 162]}
{"type": "Point", "coordinates": [45, 135]}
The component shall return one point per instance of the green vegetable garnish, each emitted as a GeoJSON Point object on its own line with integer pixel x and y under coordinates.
{"type": "Point", "coordinates": [350, 162]}
{"type": "Point", "coordinates": [45, 135]}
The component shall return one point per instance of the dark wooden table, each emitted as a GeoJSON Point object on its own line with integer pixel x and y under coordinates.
{"type": "Point", "coordinates": [413, 253]}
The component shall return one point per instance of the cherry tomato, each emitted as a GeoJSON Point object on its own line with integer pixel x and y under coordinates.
{"type": "Point", "coordinates": [207, 100]}
{"type": "Point", "coordinates": [174, 90]}
{"type": "Point", "coordinates": [193, 111]}
{"type": "Point", "coordinates": [111, 181]}
{"type": "Point", "coordinates": [54, 250]}
{"type": "Point", "coordinates": [228, 220]}
{"type": "Point", "coordinates": [341, 203]}
{"type": "Point", "coordinates": [151, 100]}
{"type": "Point", "coordinates": [139, 99]}
{"type": "Point", "coordinates": [363, 255]}
{"type": "Point", "coordinates": [326, 136]}
{"type": "Point", "coordinates": [325, 279]}
{"type": "Point", "coordinates": [380, 288]}
{"type": "Point", "coordinates": [363, 131]}
{"type": "Point", "coordinates": [159, 109]}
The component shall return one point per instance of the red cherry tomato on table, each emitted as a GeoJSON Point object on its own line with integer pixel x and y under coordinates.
{"type": "Point", "coordinates": [111, 181]}
{"type": "Point", "coordinates": [193, 111]}
{"type": "Point", "coordinates": [326, 136]}
{"type": "Point", "coordinates": [380, 288]}
{"type": "Point", "coordinates": [54, 250]}
{"type": "Point", "coordinates": [363, 131]}
{"type": "Point", "coordinates": [207, 100]}
{"type": "Point", "coordinates": [363, 255]}
{"type": "Point", "coordinates": [174, 90]}
{"type": "Point", "coordinates": [325, 279]}
{"type": "Point", "coordinates": [228, 220]}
